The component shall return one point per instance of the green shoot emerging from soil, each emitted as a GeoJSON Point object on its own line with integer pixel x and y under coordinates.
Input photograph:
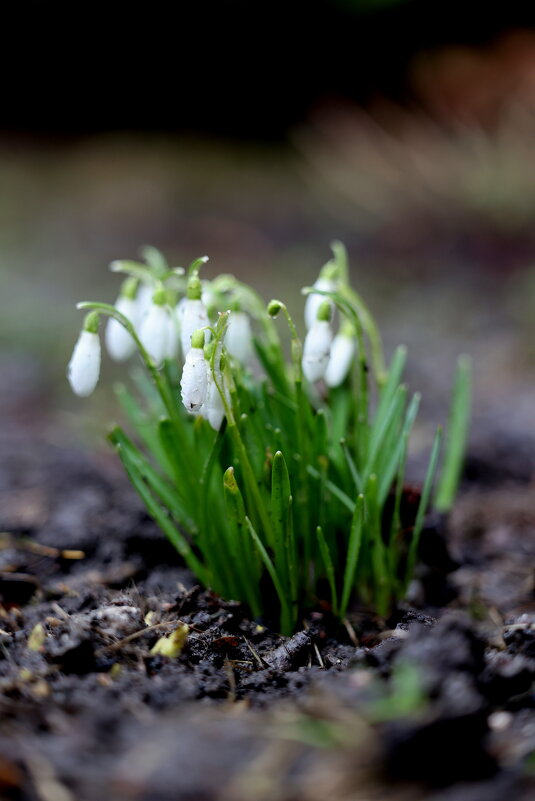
{"type": "Point", "coordinates": [279, 480]}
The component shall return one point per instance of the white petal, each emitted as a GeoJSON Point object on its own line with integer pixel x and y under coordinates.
{"type": "Point", "coordinates": [153, 332]}
{"type": "Point", "coordinates": [342, 353]}
{"type": "Point", "coordinates": [213, 409]}
{"type": "Point", "coordinates": [119, 343]}
{"type": "Point", "coordinates": [194, 317]}
{"type": "Point", "coordinates": [143, 302]}
{"type": "Point", "coordinates": [84, 367]}
{"type": "Point", "coordinates": [194, 381]}
{"type": "Point", "coordinates": [316, 350]}
{"type": "Point", "coordinates": [239, 337]}
{"type": "Point", "coordinates": [313, 302]}
{"type": "Point", "coordinates": [173, 337]}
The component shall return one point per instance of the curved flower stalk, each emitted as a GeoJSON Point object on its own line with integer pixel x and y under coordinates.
{"type": "Point", "coordinates": [341, 356]}
{"type": "Point", "coordinates": [84, 367]}
{"type": "Point", "coordinates": [119, 343]}
{"type": "Point", "coordinates": [154, 329]}
{"type": "Point", "coordinates": [194, 381]}
{"type": "Point", "coordinates": [317, 345]}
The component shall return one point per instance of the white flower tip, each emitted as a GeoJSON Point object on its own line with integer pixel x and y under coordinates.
{"type": "Point", "coordinates": [116, 266]}
{"type": "Point", "coordinates": [84, 366]}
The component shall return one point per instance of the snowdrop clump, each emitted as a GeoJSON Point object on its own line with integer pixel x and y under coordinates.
{"type": "Point", "coordinates": [264, 471]}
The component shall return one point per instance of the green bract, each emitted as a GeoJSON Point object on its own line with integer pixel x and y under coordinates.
{"type": "Point", "coordinates": [298, 496]}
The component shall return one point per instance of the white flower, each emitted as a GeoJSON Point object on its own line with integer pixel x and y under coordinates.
{"type": "Point", "coordinates": [316, 350]}
{"type": "Point", "coordinates": [342, 353]}
{"type": "Point", "coordinates": [173, 336]}
{"type": "Point", "coordinates": [213, 409]}
{"type": "Point", "coordinates": [154, 332]}
{"type": "Point", "coordinates": [119, 343]}
{"type": "Point", "coordinates": [239, 337]}
{"type": "Point", "coordinates": [143, 302]}
{"type": "Point", "coordinates": [314, 301]}
{"type": "Point", "coordinates": [194, 316]}
{"type": "Point", "coordinates": [84, 367]}
{"type": "Point", "coordinates": [194, 381]}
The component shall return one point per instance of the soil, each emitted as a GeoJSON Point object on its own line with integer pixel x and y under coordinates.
{"type": "Point", "coordinates": [436, 702]}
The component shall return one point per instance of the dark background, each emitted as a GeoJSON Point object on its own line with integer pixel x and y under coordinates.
{"type": "Point", "coordinates": [236, 69]}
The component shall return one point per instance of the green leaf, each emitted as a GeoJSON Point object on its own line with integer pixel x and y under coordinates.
{"type": "Point", "coordinates": [353, 551]}
{"type": "Point", "coordinates": [456, 436]}
{"type": "Point", "coordinates": [329, 568]}
{"type": "Point", "coordinates": [422, 507]}
{"type": "Point", "coordinates": [287, 618]}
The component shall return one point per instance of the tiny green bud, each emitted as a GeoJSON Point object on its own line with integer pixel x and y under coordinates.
{"type": "Point", "coordinates": [159, 296]}
{"type": "Point", "coordinates": [194, 289]}
{"type": "Point", "coordinates": [91, 322]}
{"type": "Point", "coordinates": [171, 297]}
{"type": "Point", "coordinates": [129, 288]}
{"type": "Point", "coordinates": [197, 338]}
{"type": "Point", "coordinates": [324, 311]}
{"type": "Point", "coordinates": [274, 307]}
{"type": "Point", "coordinates": [229, 480]}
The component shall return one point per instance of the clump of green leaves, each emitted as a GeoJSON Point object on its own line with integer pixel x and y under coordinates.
{"type": "Point", "coordinates": [279, 480]}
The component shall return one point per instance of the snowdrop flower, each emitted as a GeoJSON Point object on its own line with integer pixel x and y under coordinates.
{"type": "Point", "coordinates": [239, 337]}
{"type": "Point", "coordinates": [326, 283]}
{"type": "Point", "coordinates": [342, 354]}
{"type": "Point", "coordinates": [119, 343]}
{"type": "Point", "coordinates": [194, 381]}
{"type": "Point", "coordinates": [213, 409]}
{"type": "Point", "coordinates": [194, 315]}
{"type": "Point", "coordinates": [317, 344]}
{"type": "Point", "coordinates": [154, 329]}
{"type": "Point", "coordinates": [143, 302]}
{"type": "Point", "coordinates": [84, 367]}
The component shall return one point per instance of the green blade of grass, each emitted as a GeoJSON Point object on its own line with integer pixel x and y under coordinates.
{"type": "Point", "coordinates": [456, 436]}
{"type": "Point", "coordinates": [353, 550]}
{"type": "Point", "coordinates": [158, 514]}
{"type": "Point", "coordinates": [329, 568]}
{"type": "Point", "coordinates": [287, 619]}
{"type": "Point", "coordinates": [422, 507]}
{"type": "Point", "coordinates": [167, 494]}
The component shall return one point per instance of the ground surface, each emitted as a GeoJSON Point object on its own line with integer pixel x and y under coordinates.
{"type": "Point", "coordinates": [436, 702]}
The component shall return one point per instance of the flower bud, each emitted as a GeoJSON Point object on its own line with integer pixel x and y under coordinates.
{"type": "Point", "coordinates": [84, 367]}
{"type": "Point", "coordinates": [314, 301]}
{"type": "Point", "coordinates": [317, 347]}
{"type": "Point", "coordinates": [194, 381]}
{"type": "Point", "coordinates": [342, 354]}
{"type": "Point", "coordinates": [274, 307]}
{"type": "Point", "coordinates": [154, 329]}
{"type": "Point", "coordinates": [119, 342]}
{"type": "Point", "coordinates": [239, 337]}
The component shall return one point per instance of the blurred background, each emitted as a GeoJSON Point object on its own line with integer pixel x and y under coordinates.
{"type": "Point", "coordinates": [257, 133]}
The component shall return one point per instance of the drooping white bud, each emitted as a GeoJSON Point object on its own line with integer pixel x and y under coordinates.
{"type": "Point", "coordinates": [239, 337]}
{"type": "Point", "coordinates": [313, 301]}
{"type": "Point", "coordinates": [342, 354]}
{"type": "Point", "coordinates": [194, 381]}
{"type": "Point", "coordinates": [84, 367]}
{"type": "Point", "coordinates": [154, 329]}
{"type": "Point", "coordinates": [317, 345]}
{"type": "Point", "coordinates": [143, 302]}
{"type": "Point", "coordinates": [119, 343]}
{"type": "Point", "coordinates": [194, 317]}
{"type": "Point", "coordinates": [213, 409]}
{"type": "Point", "coordinates": [173, 336]}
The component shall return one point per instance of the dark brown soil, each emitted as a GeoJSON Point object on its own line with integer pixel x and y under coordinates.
{"type": "Point", "coordinates": [435, 703]}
